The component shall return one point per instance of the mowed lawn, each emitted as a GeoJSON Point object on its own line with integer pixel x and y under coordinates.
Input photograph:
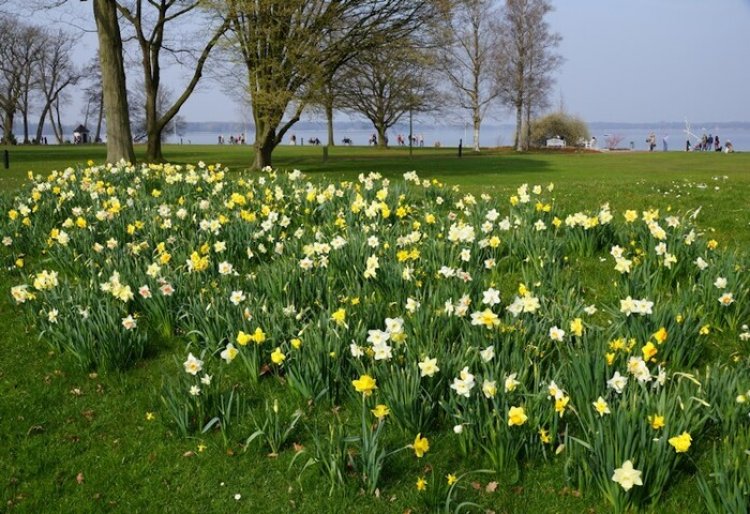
{"type": "Point", "coordinates": [78, 442]}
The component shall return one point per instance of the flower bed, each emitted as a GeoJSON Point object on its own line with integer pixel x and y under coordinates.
{"type": "Point", "coordinates": [524, 332]}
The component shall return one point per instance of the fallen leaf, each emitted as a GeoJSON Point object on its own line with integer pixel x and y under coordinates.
{"type": "Point", "coordinates": [298, 447]}
{"type": "Point", "coordinates": [491, 487]}
{"type": "Point", "coordinates": [230, 452]}
{"type": "Point", "coordinates": [35, 429]}
{"type": "Point", "coordinates": [189, 454]}
{"type": "Point", "coordinates": [79, 477]}
{"type": "Point", "coordinates": [88, 414]}
{"type": "Point", "coordinates": [476, 485]}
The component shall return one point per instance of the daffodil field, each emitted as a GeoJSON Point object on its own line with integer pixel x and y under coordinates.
{"type": "Point", "coordinates": [395, 315]}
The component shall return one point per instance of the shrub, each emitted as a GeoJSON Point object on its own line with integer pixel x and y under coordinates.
{"type": "Point", "coordinates": [559, 124]}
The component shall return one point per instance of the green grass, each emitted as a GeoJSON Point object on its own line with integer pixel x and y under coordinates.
{"type": "Point", "coordinates": [57, 422]}
{"type": "Point", "coordinates": [636, 180]}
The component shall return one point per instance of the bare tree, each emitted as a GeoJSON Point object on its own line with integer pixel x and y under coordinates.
{"type": "Point", "coordinates": [285, 46]}
{"type": "Point", "coordinates": [139, 117]}
{"type": "Point", "coordinates": [466, 58]}
{"type": "Point", "coordinates": [55, 73]}
{"type": "Point", "coordinates": [94, 98]}
{"type": "Point", "coordinates": [32, 46]}
{"type": "Point", "coordinates": [149, 20]}
{"type": "Point", "coordinates": [19, 46]}
{"type": "Point", "coordinates": [386, 83]}
{"type": "Point", "coordinates": [525, 58]}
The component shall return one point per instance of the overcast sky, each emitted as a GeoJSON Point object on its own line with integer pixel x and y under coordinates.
{"type": "Point", "coordinates": [625, 61]}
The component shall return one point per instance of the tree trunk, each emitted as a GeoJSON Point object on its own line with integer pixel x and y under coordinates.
{"type": "Point", "coordinates": [477, 123]}
{"type": "Point", "coordinates": [153, 144]}
{"type": "Point", "coordinates": [8, 126]}
{"type": "Point", "coordinates": [382, 142]}
{"type": "Point", "coordinates": [265, 142]}
{"type": "Point", "coordinates": [40, 125]}
{"type": "Point", "coordinates": [329, 118]}
{"type": "Point", "coordinates": [527, 127]}
{"type": "Point", "coordinates": [119, 137]}
{"type": "Point", "coordinates": [25, 127]}
{"type": "Point", "coordinates": [57, 126]}
{"type": "Point", "coordinates": [98, 136]}
{"type": "Point", "coordinates": [519, 127]}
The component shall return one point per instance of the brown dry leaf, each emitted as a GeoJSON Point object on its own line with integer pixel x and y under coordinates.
{"type": "Point", "coordinates": [491, 487]}
{"type": "Point", "coordinates": [88, 414]}
{"type": "Point", "coordinates": [298, 447]}
{"type": "Point", "coordinates": [189, 454]}
{"type": "Point", "coordinates": [230, 452]}
{"type": "Point", "coordinates": [79, 477]}
{"type": "Point", "coordinates": [76, 392]}
{"type": "Point", "coordinates": [476, 485]}
{"type": "Point", "coordinates": [576, 493]}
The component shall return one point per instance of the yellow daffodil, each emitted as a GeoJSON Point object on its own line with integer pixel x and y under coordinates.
{"type": "Point", "coordinates": [656, 421]}
{"type": "Point", "coordinates": [380, 411]}
{"type": "Point", "coordinates": [277, 356]}
{"type": "Point", "coordinates": [365, 384]}
{"type": "Point", "coordinates": [649, 350]}
{"type": "Point", "coordinates": [516, 416]}
{"type": "Point", "coordinates": [681, 443]}
{"type": "Point", "coordinates": [421, 445]}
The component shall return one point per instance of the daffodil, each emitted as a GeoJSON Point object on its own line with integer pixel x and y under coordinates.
{"type": "Point", "coordinates": [516, 416]}
{"type": "Point", "coordinates": [627, 476]}
{"type": "Point", "coordinates": [681, 443]}
{"type": "Point", "coordinates": [601, 406]}
{"type": "Point", "coordinates": [421, 445]}
{"type": "Point", "coordinates": [277, 356]}
{"type": "Point", "coordinates": [365, 384]}
{"type": "Point", "coordinates": [380, 411]}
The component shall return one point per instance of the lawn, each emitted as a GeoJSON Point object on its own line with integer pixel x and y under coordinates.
{"type": "Point", "coordinates": [101, 441]}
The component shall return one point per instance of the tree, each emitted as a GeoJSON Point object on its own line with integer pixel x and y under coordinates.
{"type": "Point", "coordinates": [151, 35]}
{"type": "Point", "coordinates": [119, 139]}
{"type": "Point", "coordinates": [19, 49]}
{"type": "Point", "coordinates": [386, 83]}
{"type": "Point", "coordinates": [286, 46]}
{"type": "Point", "coordinates": [55, 73]}
{"type": "Point", "coordinates": [525, 58]}
{"type": "Point", "coordinates": [139, 123]}
{"type": "Point", "coordinates": [94, 98]}
{"type": "Point", "coordinates": [466, 57]}
{"type": "Point", "coordinates": [30, 50]}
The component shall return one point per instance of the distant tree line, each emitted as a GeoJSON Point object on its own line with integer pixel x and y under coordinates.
{"type": "Point", "coordinates": [381, 59]}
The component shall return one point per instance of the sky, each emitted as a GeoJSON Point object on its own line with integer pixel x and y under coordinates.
{"type": "Point", "coordinates": [624, 61]}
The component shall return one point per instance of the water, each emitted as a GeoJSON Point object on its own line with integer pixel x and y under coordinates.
{"type": "Point", "coordinates": [491, 135]}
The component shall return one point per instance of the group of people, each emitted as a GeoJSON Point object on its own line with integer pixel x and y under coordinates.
{"type": "Point", "coordinates": [708, 143]}
{"type": "Point", "coordinates": [312, 141]}
{"type": "Point", "coordinates": [233, 140]}
{"type": "Point", "coordinates": [416, 140]}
